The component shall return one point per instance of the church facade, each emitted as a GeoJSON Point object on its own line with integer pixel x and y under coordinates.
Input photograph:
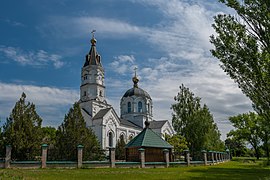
{"type": "Point", "coordinates": [135, 106]}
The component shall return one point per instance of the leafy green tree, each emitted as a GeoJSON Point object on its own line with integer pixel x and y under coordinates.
{"type": "Point", "coordinates": [22, 130]}
{"type": "Point", "coordinates": [120, 150]}
{"type": "Point", "coordinates": [194, 122]}
{"type": "Point", "coordinates": [236, 146]}
{"type": "Point", "coordinates": [48, 135]}
{"type": "Point", "coordinates": [242, 44]}
{"type": "Point", "coordinates": [247, 128]}
{"type": "Point", "coordinates": [179, 144]}
{"type": "Point", "coordinates": [73, 132]}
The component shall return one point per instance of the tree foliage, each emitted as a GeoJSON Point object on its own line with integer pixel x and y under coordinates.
{"type": "Point", "coordinates": [22, 130]}
{"type": "Point", "coordinates": [120, 150]}
{"type": "Point", "coordinates": [178, 142]}
{"type": "Point", "coordinates": [242, 44]}
{"type": "Point", "coordinates": [248, 128]}
{"type": "Point", "coordinates": [194, 122]}
{"type": "Point", "coordinates": [73, 132]}
{"type": "Point", "coordinates": [236, 146]}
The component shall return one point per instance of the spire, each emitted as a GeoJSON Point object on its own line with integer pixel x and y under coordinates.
{"type": "Point", "coordinates": [135, 78]}
{"type": "Point", "coordinates": [93, 58]}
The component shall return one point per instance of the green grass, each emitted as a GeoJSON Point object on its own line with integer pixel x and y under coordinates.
{"type": "Point", "coordinates": [237, 169]}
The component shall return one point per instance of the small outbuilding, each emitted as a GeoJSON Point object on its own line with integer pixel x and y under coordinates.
{"type": "Point", "coordinates": [152, 143]}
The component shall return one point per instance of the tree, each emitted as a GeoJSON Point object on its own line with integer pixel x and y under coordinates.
{"type": "Point", "coordinates": [178, 142]}
{"type": "Point", "coordinates": [247, 128]}
{"type": "Point", "coordinates": [242, 45]}
{"type": "Point", "coordinates": [73, 132]}
{"type": "Point", "coordinates": [236, 146]}
{"type": "Point", "coordinates": [120, 150]}
{"type": "Point", "coordinates": [22, 130]}
{"type": "Point", "coordinates": [194, 122]}
{"type": "Point", "coordinates": [49, 135]}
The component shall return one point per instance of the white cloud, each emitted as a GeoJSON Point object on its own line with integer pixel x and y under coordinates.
{"type": "Point", "coordinates": [123, 64]}
{"type": "Point", "coordinates": [51, 103]}
{"type": "Point", "coordinates": [38, 58]}
{"type": "Point", "coordinates": [74, 27]}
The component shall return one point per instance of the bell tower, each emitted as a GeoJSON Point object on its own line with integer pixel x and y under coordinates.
{"type": "Point", "coordinates": [92, 89]}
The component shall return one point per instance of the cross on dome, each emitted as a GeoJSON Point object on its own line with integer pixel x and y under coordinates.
{"type": "Point", "coordinates": [135, 78]}
{"type": "Point", "coordinates": [93, 40]}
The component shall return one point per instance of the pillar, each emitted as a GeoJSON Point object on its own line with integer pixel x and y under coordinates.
{"type": "Point", "coordinates": [204, 157]}
{"type": "Point", "coordinates": [216, 156]}
{"type": "Point", "coordinates": [44, 148]}
{"type": "Point", "coordinates": [80, 155]}
{"type": "Point", "coordinates": [212, 157]}
{"type": "Point", "coordinates": [187, 157]}
{"type": "Point", "coordinates": [166, 157]}
{"type": "Point", "coordinates": [8, 156]}
{"type": "Point", "coordinates": [142, 157]}
{"type": "Point", "coordinates": [112, 157]}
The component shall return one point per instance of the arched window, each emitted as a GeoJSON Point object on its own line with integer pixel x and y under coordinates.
{"type": "Point", "coordinates": [139, 106]}
{"type": "Point", "coordinates": [129, 107]}
{"type": "Point", "coordinates": [100, 93]}
{"type": "Point", "coordinates": [130, 137]}
{"type": "Point", "coordinates": [122, 137]}
{"type": "Point", "coordinates": [110, 139]}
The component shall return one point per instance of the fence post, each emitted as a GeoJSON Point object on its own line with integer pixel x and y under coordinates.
{"type": "Point", "coordinates": [216, 156]}
{"type": "Point", "coordinates": [204, 157]}
{"type": "Point", "coordinates": [187, 157]}
{"type": "Point", "coordinates": [112, 157]}
{"type": "Point", "coordinates": [142, 157]}
{"type": "Point", "coordinates": [166, 157]}
{"type": "Point", "coordinates": [8, 156]}
{"type": "Point", "coordinates": [80, 155]}
{"type": "Point", "coordinates": [44, 148]}
{"type": "Point", "coordinates": [212, 156]}
{"type": "Point", "coordinates": [228, 155]}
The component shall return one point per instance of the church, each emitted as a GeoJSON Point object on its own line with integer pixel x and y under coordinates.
{"type": "Point", "coordinates": [135, 106]}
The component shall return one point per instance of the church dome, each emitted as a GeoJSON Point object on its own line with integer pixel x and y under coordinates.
{"type": "Point", "coordinates": [135, 91]}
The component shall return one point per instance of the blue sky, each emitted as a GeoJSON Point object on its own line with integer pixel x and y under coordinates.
{"type": "Point", "coordinates": [43, 45]}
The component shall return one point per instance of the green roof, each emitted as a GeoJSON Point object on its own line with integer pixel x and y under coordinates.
{"type": "Point", "coordinates": [148, 138]}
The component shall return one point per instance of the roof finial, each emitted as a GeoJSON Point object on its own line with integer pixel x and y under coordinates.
{"type": "Point", "coordinates": [93, 40]}
{"type": "Point", "coordinates": [93, 33]}
{"type": "Point", "coordinates": [135, 70]}
{"type": "Point", "coordinates": [135, 78]}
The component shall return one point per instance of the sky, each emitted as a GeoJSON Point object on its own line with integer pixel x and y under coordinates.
{"type": "Point", "coordinates": [43, 46]}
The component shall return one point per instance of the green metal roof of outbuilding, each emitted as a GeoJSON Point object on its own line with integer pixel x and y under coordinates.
{"type": "Point", "coordinates": [148, 138]}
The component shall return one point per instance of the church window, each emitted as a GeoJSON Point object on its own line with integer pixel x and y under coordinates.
{"type": "Point", "coordinates": [122, 137]}
{"type": "Point", "coordinates": [149, 108]}
{"type": "Point", "coordinates": [139, 106]}
{"type": "Point", "coordinates": [110, 139]}
{"type": "Point", "coordinates": [84, 93]}
{"type": "Point", "coordinates": [100, 93]}
{"type": "Point", "coordinates": [130, 137]}
{"type": "Point", "coordinates": [129, 107]}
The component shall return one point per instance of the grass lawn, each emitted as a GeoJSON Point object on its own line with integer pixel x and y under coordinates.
{"type": "Point", "coordinates": [237, 169]}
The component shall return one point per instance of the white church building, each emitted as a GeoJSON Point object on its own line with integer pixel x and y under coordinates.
{"type": "Point", "coordinates": [135, 106]}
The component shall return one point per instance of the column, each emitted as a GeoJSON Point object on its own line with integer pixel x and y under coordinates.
{"type": "Point", "coordinates": [8, 156]}
{"type": "Point", "coordinates": [204, 157]}
{"type": "Point", "coordinates": [166, 157]}
{"type": "Point", "coordinates": [187, 157]}
{"type": "Point", "coordinates": [44, 148]}
{"type": "Point", "coordinates": [216, 156]}
{"type": "Point", "coordinates": [112, 157]}
{"type": "Point", "coordinates": [212, 157]}
{"type": "Point", "coordinates": [80, 155]}
{"type": "Point", "coordinates": [142, 157]}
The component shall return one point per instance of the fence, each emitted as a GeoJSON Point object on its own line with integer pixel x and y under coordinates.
{"type": "Point", "coordinates": [209, 158]}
